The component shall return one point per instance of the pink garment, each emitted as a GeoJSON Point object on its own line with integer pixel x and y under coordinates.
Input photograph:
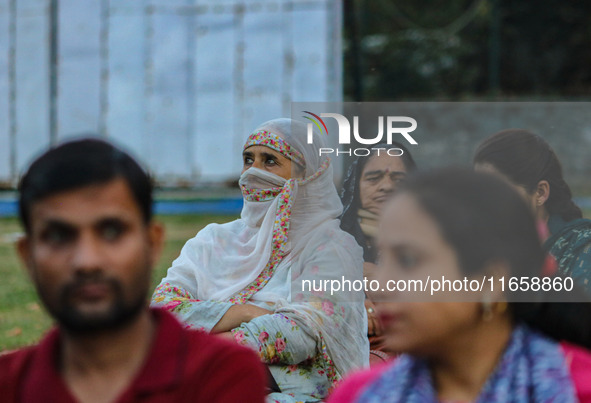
{"type": "Point", "coordinates": [579, 363]}
{"type": "Point", "coordinates": [578, 360]}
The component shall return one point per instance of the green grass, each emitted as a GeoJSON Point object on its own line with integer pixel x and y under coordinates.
{"type": "Point", "coordinates": [22, 318]}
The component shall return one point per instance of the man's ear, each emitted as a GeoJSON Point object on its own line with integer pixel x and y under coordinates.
{"type": "Point", "coordinates": [156, 238]}
{"type": "Point", "coordinates": [542, 193]}
{"type": "Point", "coordinates": [23, 249]}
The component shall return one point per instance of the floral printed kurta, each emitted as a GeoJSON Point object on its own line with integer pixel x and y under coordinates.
{"type": "Point", "coordinates": [301, 372]}
{"type": "Point", "coordinates": [290, 341]}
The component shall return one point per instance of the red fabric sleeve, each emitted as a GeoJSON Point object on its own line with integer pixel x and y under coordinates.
{"type": "Point", "coordinates": [225, 372]}
{"type": "Point", "coordinates": [242, 381]}
{"type": "Point", "coordinates": [349, 390]}
{"type": "Point", "coordinates": [579, 362]}
{"type": "Point", "coordinates": [12, 366]}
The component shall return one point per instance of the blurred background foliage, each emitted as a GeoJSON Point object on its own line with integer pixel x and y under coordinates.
{"type": "Point", "coordinates": [468, 49]}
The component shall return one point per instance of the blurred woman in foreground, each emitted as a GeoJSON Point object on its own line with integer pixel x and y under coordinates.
{"type": "Point", "coordinates": [460, 224]}
{"type": "Point", "coordinates": [527, 162]}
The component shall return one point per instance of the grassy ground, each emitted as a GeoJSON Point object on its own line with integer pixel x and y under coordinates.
{"type": "Point", "coordinates": [22, 318]}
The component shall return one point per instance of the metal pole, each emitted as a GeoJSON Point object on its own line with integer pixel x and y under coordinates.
{"type": "Point", "coordinates": [53, 69]}
{"type": "Point", "coordinates": [12, 89]}
{"type": "Point", "coordinates": [494, 58]}
{"type": "Point", "coordinates": [353, 26]}
{"type": "Point", "coordinates": [104, 63]}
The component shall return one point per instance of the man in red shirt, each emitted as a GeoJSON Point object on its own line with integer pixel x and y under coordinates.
{"type": "Point", "coordinates": [89, 248]}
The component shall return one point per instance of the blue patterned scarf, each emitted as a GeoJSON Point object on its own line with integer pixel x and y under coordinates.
{"type": "Point", "coordinates": [532, 369]}
{"type": "Point", "coordinates": [570, 244]}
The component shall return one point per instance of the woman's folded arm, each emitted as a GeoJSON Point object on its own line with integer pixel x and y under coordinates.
{"type": "Point", "coordinates": [196, 314]}
{"type": "Point", "coordinates": [278, 339]}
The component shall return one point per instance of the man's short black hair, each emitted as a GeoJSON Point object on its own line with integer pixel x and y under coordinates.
{"type": "Point", "coordinates": [79, 163]}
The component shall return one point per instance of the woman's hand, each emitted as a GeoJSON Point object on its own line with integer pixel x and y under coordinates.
{"type": "Point", "coordinates": [226, 335]}
{"type": "Point", "coordinates": [374, 327]}
{"type": "Point", "coordinates": [236, 315]}
{"type": "Point", "coordinates": [369, 270]}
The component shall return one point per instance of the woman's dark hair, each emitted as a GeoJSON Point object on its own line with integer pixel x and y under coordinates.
{"type": "Point", "coordinates": [351, 198]}
{"type": "Point", "coordinates": [81, 163]}
{"type": "Point", "coordinates": [481, 217]}
{"type": "Point", "coordinates": [526, 159]}
{"type": "Point", "coordinates": [486, 221]}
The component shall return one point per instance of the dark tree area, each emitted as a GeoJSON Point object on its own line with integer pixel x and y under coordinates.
{"type": "Point", "coordinates": [467, 49]}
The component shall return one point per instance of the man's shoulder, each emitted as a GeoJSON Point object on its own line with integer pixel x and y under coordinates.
{"type": "Point", "coordinates": [13, 365]}
{"type": "Point", "coordinates": [202, 347]}
{"type": "Point", "coordinates": [11, 361]}
{"type": "Point", "coordinates": [224, 370]}
{"type": "Point", "coordinates": [213, 348]}
{"type": "Point", "coordinates": [231, 372]}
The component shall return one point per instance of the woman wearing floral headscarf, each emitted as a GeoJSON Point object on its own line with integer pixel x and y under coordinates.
{"type": "Point", "coordinates": [250, 279]}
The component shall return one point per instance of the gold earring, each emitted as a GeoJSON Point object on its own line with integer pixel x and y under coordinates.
{"type": "Point", "coordinates": [501, 307]}
{"type": "Point", "coordinates": [487, 311]}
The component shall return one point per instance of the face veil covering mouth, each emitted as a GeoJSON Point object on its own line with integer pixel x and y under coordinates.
{"type": "Point", "coordinates": [259, 190]}
{"type": "Point", "coordinates": [263, 193]}
{"type": "Point", "coordinates": [259, 185]}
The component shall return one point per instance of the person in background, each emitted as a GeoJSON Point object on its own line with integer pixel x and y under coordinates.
{"type": "Point", "coordinates": [369, 183]}
{"type": "Point", "coordinates": [90, 245]}
{"type": "Point", "coordinates": [531, 166]}
{"type": "Point", "coordinates": [458, 223]}
{"type": "Point", "coordinates": [246, 279]}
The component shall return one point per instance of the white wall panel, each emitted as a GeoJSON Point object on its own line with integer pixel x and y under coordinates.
{"type": "Point", "coordinates": [5, 46]}
{"type": "Point", "coordinates": [180, 83]}
{"type": "Point", "coordinates": [79, 83]}
{"type": "Point", "coordinates": [126, 107]}
{"type": "Point", "coordinates": [217, 113]}
{"type": "Point", "coordinates": [32, 79]}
